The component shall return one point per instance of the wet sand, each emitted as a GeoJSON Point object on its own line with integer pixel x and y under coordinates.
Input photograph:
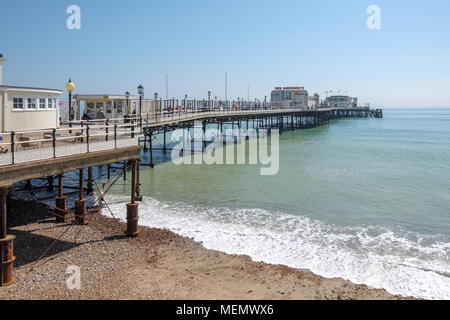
{"type": "Point", "coordinates": [158, 265]}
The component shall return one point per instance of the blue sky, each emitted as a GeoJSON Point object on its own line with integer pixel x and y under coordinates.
{"type": "Point", "coordinates": [322, 45]}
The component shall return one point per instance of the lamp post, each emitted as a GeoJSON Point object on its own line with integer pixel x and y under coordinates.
{"type": "Point", "coordinates": [209, 100]}
{"type": "Point", "coordinates": [141, 95]}
{"type": "Point", "coordinates": [70, 87]}
{"type": "Point", "coordinates": [156, 105]}
{"type": "Point", "coordinates": [185, 103]}
{"type": "Point", "coordinates": [127, 96]}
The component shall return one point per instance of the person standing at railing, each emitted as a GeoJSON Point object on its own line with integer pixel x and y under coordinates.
{"type": "Point", "coordinates": [2, 150]}
{"type": "Point", "coordinates": [86, 116]}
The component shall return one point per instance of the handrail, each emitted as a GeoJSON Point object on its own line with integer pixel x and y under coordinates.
{"type": "Point", "coordinates": [88, 132]}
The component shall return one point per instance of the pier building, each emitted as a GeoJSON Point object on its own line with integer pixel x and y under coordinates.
{"type": "Point", "coordinates": [27, 108]}
{"type": "Point", "coordinates": [114, 105]}
{"type": "Point", "coordinates": [290, 97]}
{"type": "Point", "coordinates": [341, 102]}
{"type": "Point", "coordinates": [314, 101]}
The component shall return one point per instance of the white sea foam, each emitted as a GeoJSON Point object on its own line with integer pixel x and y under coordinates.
{"type": "Point", "coordinates": [401, 262]}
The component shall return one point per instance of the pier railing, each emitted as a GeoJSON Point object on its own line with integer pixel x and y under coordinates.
{"type": "Point", "coordinates": [25, 146]}
{"type": "Point", "coordinates": [85, 136]}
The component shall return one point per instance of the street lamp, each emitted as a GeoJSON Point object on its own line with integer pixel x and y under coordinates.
{"type": "Point", "coordinates": [209, 99]}
{"type": "Point", "coordinates": [70, 86]}
{"type": "Point", "coordinates": [127, 96]}
{"type": "Point", "coordinates": [156, 102]}
{"type": "Point", "coordinates": [141, 95]}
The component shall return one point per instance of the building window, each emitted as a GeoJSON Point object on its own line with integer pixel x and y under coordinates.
{"type": "Point", "coordinates": [108, 107]}
{"type": "Point", "coordinates": [18, 103]}
{"type": "Point", "coordinates": [90, 107]}
{"type": "Point", "coordinates": [119, 106]}
{"type": "Point", "coordinates": [41, 103]}
{"type": "Point", "coordinates": [31, 103]}
{"type": "Point", "coordinates": [99, 105]}
{"type": "Point", "coordinates": [50, 103]}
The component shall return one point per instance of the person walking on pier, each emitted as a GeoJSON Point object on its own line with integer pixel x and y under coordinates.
{"type": "Point", "coordinates": [101, 114]}
{"type": "Point", "coordinates": [86, 116]}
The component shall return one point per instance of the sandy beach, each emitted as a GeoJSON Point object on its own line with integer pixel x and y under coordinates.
{"type": "Point", "coordinates": [158, 265]}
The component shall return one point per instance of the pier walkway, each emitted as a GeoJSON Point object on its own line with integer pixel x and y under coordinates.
{"type": "Point", "coordinates": [80, 137]}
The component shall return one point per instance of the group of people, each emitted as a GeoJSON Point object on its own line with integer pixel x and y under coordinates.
{"type": "Point", "coordinates": [99, 116]}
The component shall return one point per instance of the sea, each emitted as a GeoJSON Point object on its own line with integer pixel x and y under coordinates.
{"type": "Point", "coordinates": [363, 199]}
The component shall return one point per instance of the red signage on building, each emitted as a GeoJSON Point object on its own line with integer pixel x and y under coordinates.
{"type": "Point", "coordinates": [289, 88]}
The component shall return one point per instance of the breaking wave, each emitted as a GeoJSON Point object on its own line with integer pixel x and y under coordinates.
{"type": "Point", "coordinates": [402, 262]}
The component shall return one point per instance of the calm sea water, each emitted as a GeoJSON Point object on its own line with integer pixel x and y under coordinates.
{"type": "Point", "coordinates": [366, 200]}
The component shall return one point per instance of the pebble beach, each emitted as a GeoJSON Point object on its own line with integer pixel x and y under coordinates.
{"type": "Point", "coordinates": [157, 265]}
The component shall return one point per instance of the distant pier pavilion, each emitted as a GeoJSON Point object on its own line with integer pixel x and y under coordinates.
{"type": "Point", "coordinates": [114, 106]}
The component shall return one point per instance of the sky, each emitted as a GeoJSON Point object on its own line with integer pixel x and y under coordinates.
{"type": "Point", "coordinates": [322, 45]}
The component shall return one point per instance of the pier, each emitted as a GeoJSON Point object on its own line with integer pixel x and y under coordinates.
{"type": "Point", "coordinates": [79, 146]}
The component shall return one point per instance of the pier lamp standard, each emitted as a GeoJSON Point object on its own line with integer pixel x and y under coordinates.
{"type": "Point", "coordinates": [141, 95]}
{"type": "Point", "coordinates": [185, 103]}
{"type": "Point", "coordinates": [70, 87]}
{"type": "Point", "coordinates": [156, 102]}
{"type": "Point", "coordinates": [209, 99]}
{"type": "Point", "coordinates": [127, 97]}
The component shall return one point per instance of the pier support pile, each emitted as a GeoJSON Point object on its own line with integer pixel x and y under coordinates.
{"type": "Point", "coordinates": [132, 208]}
{"type": "Point", "coordinates": [6, 244]}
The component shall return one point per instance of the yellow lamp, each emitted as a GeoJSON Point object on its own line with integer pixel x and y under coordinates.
{"type": "Point", "coordinates": [70, 86]}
